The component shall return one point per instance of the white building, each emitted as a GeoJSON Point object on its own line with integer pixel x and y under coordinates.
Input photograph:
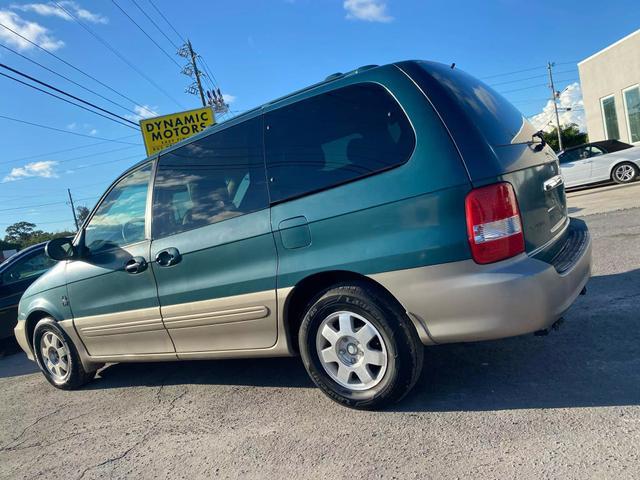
{"type": "Point", "coordinates": [610, 82]}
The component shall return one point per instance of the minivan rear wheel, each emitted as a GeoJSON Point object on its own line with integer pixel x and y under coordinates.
{"type": "Point", "coordinates": [624, 173]}
{"type": "Point", "coordinates": [360, 348]}
{"type": "Point", "coordinates": [58, 357]}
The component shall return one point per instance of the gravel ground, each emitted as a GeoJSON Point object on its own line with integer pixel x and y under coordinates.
{"type": "Point", "coordinates": [562, 406]}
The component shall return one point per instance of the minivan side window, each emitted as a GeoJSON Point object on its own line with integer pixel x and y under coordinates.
{"type": "Point", "coordinates": [333, 138]}
{"type": "Point", "coordinates": [120, 218]}
{"type": "Point", "coordinates": [209, 180]}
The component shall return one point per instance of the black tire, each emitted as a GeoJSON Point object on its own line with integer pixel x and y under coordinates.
{"type": "Point", "coordinates": [404, 351]}
{"type": "Point", "coordinates": [625, 172]}
{"type": "Point", "coordinates": [75, 375]}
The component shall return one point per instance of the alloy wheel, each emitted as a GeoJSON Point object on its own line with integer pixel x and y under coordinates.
{"type": "Point", "coordinates": [55, 356]}
{"type": "Point", "coordinates": [624, 173]}
{"type": "Point", "coordinates": [351, 350]}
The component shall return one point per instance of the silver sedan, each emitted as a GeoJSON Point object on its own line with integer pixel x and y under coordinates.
{"type": "Point", "coordinates": [600, 162]}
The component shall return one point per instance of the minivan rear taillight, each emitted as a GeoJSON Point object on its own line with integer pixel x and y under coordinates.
{"type": "Point", "coordinates": [493, 223]}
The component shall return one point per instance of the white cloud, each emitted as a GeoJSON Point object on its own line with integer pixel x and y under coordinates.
{"type": "Point", "coordinates": [367, 10]}
{"type": "Point", "coordinates": [142, 111]}
{"type": "Point", "coordinates": [228, 98]}
{"type": "Point", "coordinates": [570, 97]}
{"type": "Point", "coordinates": [51, 10]}
{"type": "Point", "coordinates": [31, 30]}
{"type": "Point", "coordinates": [93, 131]}
{"type": "Point", "coordinates": [44, 169]}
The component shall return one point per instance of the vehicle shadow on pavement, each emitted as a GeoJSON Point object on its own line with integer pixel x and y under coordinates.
{"type": "Point", "coordinates": [593, 360]}
{"type": "Point", "coordinates": [13, 362]}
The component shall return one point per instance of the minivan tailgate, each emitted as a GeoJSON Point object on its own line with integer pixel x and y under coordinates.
{"type": "Point", "coordinates": [542, 202]}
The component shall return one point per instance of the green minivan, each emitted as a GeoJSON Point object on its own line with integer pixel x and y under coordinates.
{"type": "Point", "coordinates": [352, 223]}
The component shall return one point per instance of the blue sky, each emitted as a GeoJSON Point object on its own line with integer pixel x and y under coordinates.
{"type": "Point", "coordinates": [257, 50]}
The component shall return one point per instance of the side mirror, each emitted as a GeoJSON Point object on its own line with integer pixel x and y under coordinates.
{"type": "Point", "coordinates": [60, 249]}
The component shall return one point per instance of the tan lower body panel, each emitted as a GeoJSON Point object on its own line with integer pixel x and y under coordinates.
{"type": "Point", "coordinates": [466, 302]}
{"type": "Point", "coordinates": [280, 348]}
{"type": "Point", "coordinates": [131, 332]}
{"type": "Point", "coordinates": [241, 322]}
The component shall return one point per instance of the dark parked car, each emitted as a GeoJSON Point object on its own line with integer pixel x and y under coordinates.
{"type": "Point", "coordinates": [16, 274]}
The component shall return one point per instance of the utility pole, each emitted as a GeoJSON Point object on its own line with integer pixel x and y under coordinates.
{"type": "Point", "coordinates": [73, 209]}
{"type": "Point", "coordinates": [196, 72]}
{"type": "Point", "coordinates": [554, 99]}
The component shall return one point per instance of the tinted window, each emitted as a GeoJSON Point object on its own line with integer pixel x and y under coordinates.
{"type": "Point", "coordinates": [217, 177]}
{"type": "Point", "coordinates": [333, 138]}
{"type": "Point", "coordinates": [119, 220]}
{"type": "Point", "coordinates": [498, 120]}
{"type": "Point", "coordinates": [28, 267]}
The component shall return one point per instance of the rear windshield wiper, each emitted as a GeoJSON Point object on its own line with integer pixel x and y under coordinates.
{"type": "Point", "coordinates": [538, 145]}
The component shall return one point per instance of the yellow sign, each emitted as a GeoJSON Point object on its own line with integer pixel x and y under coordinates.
{"type": "Point", "coordinates": [162, 132]}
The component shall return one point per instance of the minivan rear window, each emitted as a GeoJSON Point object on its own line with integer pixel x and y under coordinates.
{"type": "Point", "coordinates": [333, 138]}
{"type": "Point", "coordinates": [497, 119]}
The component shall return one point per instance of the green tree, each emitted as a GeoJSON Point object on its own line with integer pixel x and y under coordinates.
{"type": "Point", "coordinates": [82, 212]}
{"type": "Point", "coordinates": [19, 232]}
{"type": "Point", "coordinates": [23, 234]}
{"type": "Point", "coordinates": [571, 136]}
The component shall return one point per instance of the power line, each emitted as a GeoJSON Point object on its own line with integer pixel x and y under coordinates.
{"type": "Point", "coordinates": [76, 68]}
{"type": "Point", "coordinates": [531, 100]}
{"type": "Point", "coordinates": [68, 79]}
{"type": "Point", "coordinates": [39, 223]}
{"type": "Point", "coordinates": [168, 22]}
{"type": "Point", "coordinates": [155, 24]}
{"type": "Point", "coordinates": [524, 88]}
{"type": "Point", "coordinates": [91, 155]}
{"type": "Point", "coordinates": [534, 86]}
{"type": "Point", "coordinates": [81, 167]}
{"type": "Point", "coordinates": [44, 204]}
{"type": "Point", "coordinates": [63, 99]}
{"type": "Point", "coordinates": [525, 79]}
{"type": "Point", "coordinates": [209, 72]}
{"type": "Point", "coordinates": [513, 72]}
{"type": "Point", "coordinates": [65, 131]}
{"type": "Point", "coordinates": [146, 34]}
{"type": "Point", "coordinates": [209, 77]}
{"type": "Point", "coordinates": [525, 70]}
{"type": "Point", "coordinates": [80, 147]}
{"type": "Point", "coordinates": [118, 54]}
{"type": "Point", "coordinates": [45, 84]}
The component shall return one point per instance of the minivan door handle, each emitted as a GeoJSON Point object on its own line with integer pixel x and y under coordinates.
{"type": "Point", "coordinates": [168, 257]}
{"type": "Point", "coordinates": [136, 265]}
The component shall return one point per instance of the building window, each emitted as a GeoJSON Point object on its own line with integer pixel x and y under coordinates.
{"type": "Point", "coordinates": [632, 109]}
{"type": "Point", "coordinates": [610, 118]}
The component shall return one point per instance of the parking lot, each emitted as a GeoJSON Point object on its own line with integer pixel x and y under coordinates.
{"type": "Point", "coordinates": [562, 406]}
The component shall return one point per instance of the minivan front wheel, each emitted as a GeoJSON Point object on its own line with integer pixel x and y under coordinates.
{"type": "Point", "coordinates": [57, 356]}
{"type": "Point", "coordinates": [624, 173]}
{"type": "Point", "coordinates": [359, 348]}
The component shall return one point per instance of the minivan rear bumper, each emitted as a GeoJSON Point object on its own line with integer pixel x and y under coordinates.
{"type": "Point", "coordinates": [465, 301]}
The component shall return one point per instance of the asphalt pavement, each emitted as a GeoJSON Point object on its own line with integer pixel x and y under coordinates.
{"type": "Point", "coordinates": [562, 406]}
